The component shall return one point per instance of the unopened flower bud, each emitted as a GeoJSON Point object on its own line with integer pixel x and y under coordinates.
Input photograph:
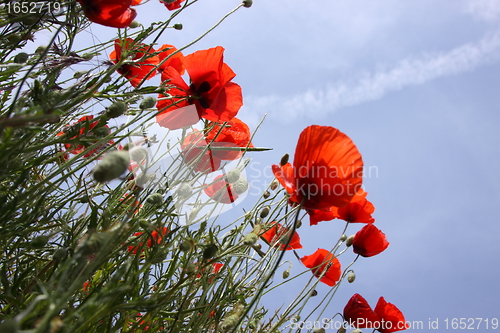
{"type": "Point", "coordinates": [184, 191]}
{"type": "Point", "coordinates": [314, 293]}
{"type": "Point", "coordinates": [349, 240]}
{"type": "Point", "coordinates": [191, 268]}
{"type": "Point", "coordinates": [351, 277]}
{"type": "Point", "coordinates": [247, 3]}
{"type": "Point", "coordinates": [286, 273]}
{"type": "Point", "coordinates": [264, 212]}
{"type": "Point", "coordinates": [240, 186]}
{"type": "Point", "coordinates": [87, 56]}
{"type": "Point", "coordinates": [138, 154]}
{"type": "Point", "coordinates": [250, 239]}
{"type": "Point", "coordinates": [147, 103]}
{"type": "Point", "coordinates": [274, 185]}
{"type": "Point", "coordinates": [14, 38]}
{"type": "Point", "coordinates": [233, 175]}
{"type": "Point", "coordinates": [39, 241]}
{"type": "Point", "coordinates": [145, 224]}
{"type": "Point", "coordinates": [319, 330]}
{"type": "Point", "coordinates": [343, 238]}
{"type": "Point", "coordinates": [134, 25]}
{"type": "Point", "coordinates": [257, 246]}
{"type": "Point", "coordinates": [178, 26]}
{"type": "Point", "coordinates": [266, 194]}
{"type": "Point", "coordinates": [21, 58]}
{"type": "Point", "coordinates": [342, 329]}
{"type": "Point", "coordinates": [210, 251]}
{"type": "Point", "coordinates": [186, 246]}
{"type": "Point", "coordinates": [116, 109]}
{"type": "Point", "coordinates": [41, 49]}
{"type": "Point", "coordinates": [155, 199]}
{"type": "Point", "coordinates": [112, 166]}
{"type": "Point", "coordinates": [284, 159]}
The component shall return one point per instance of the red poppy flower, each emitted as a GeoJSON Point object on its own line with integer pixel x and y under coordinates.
{"type": "Point", "coordinates": [216, 267]}
{"type": "Point", "coordinates": [85, 128]}
{"type": "Point", "coordinates": [321, 261]}
{"type": "Point", "coordinates": [175, 61]}
{"type": "Point", "coordinates": [278, 236]}
{"type": "Point", "coordinates": [327, 169]}
{"type": "Point", "coordinates": [392, 319]}
{"type": "Point", "coordinates": [196, 147]}
{"type": "Point", "coordinates": [137, 71]}
{"type": "Point", "coordinates": [359, 314]}
{"type": "Point", "coordinates": [172, 4]}
{"type": "Point", "coordinates": [369, 241]}
{"type": "Point", "coordinates": [155, 236]}
{"type": "Point", "coordinates": [110, 13]}
{"type": "Point", "coordinates": [358, 210]}
{"type": "Point", "coordinates": [221, 191]}
{"type": "Point", "coordinates": [211, 91]}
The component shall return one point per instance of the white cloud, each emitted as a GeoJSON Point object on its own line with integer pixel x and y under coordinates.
{"type": "Point", "coordinates": [373, 85]}
{"type": "Point", "coordinates": [487, 10]}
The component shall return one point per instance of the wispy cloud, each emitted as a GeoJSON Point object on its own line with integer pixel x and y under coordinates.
{"type": "Point", "coordinates": [373, 85]}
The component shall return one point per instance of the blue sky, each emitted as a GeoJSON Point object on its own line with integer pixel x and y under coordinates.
{"type": "Point", "coordinates": [415, 85]}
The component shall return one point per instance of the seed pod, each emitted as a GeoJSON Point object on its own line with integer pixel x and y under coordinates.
{"type": "Point", "coordinates": [147, 103]}
{"type": "Point", "coordinates": [112, 166]}
{"type": "Point", "coordinates": [210, 251]}
{"type": "Point", "coordinates": [116, 109]}
{"type": "Point", "coordinates": [79, 74]}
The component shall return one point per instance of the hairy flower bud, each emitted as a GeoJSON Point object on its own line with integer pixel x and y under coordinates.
{"type": "Point", "coordinates": [178, 26]}
{"type": "Point", "coordinates": [41, 49]}
{"type": "Point", "coordinates": [138, 154]}
{"type": "Point", "coordinates": [134, 24]}
{"type": "Point", "coordinates": [147, 103]}
{"type": "Point", "coordinates": [186, 245]}
{"type": "Point", "coordinates": [87, 56]}
{"type": "Point", "coordinates": [21, 58]}
{"type": "Point", "coordinates": [155, 199]}
{"type": "Point", "coordinates": [343, 238]}
{"type": "Point", "coordinates": [240, 186]}
{"type": "Point", "coordinates": [233, 175]}
{"type": "Point", "coordinates": [116, 109]}
{"type": "Point", "coordinates": [112, 166]}
{"type": "Point", "coordinates": [349, 240]}
{"type": "Point", "coordinates": [210, 251]}
{"type": "Point", "coordinates": [250, 239]}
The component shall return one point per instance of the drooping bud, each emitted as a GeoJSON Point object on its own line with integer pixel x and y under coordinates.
{"type": "Point", "coordinates": [284, 159]}
{"type": "Point", "coordinates": [264, 212]}
{"type": "Point", "coordinates": [351, 277]}
{"type": "Point", "coordinates": [240, 187]}
{"type": "Point", "coordinates": [286, 273]}
{"type": "Point", "coordinates": [247, 3]}
{"type": "Point", "coordinates": [134, 24]}
{"type": "Point", "coordinates": [147, 103]}
{"type": "Point", "coordinates": [233, 175]}
{"type": "Point", "coordinates": [232, 319]}
{"type": "Point", "coordinates": [314, 293]}
{"type": "Point", "coordinates": [112, 166]}
{"type": "Point", "coordinates": [274, 185]}
{"type": "Point", "coordinates": [266, 194]}
{"type": "Point", "coordinates": [250, 239]}
{"type": "Point", "coordinates": [21, 58]}
{"type": "Point", "coordinates": [155, 199]}
{"type": "Point", "coordinates": [116, 109]}
{"type": "Point", "coordinates": [178, 26]}
{"type": "Point", "coordinates": [210, 251]}
{"type": "Point", "coordinates": [342, 329]}
{"type": "Point", "coordinates": [349, 240]}
{"type": "Point", "coordinates": [343, 238]}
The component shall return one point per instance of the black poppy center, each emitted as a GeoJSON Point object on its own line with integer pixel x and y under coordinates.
{"type": "Point", "coordinates": [202, 88]}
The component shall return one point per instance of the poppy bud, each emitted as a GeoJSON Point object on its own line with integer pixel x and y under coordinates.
{"type": "Point", "coordinates": [351, 277]}
{"type": "Point", "coordinates": [342, 330]}
{"type": "Point", "coordinates": [210, 251]}
{"type": "Point", "coordinates": [264, 212]}
{"type": "Point", "coordinates": [184, 191]}
{"type": "Point", "coordinates": [39, 241]}
{"type": "Point", "coordinates": [284, 159]}
{"type": "Point", "coordinates": [144, 223]}
{"type": "Point", "coordinates": [155, 199]}
{"type": "Point", "coordinates": [14, 38]}
{"type": "Point", "coordinates": [314, 293]}
{"type": "Point", "coordinates": [247, 3]}
{"type": "Point", "coordinates": [191, 268]}
{"type": "Point", "coordinates": [112, 166]}
{"type": "Point", "coordinates": [87, 56]}
{"type": "Point", "coordinates": [349, 240]}
{"type": "Point", "coordinates": [240, 186]}
{"type": "Point", "coordinates": [286, 273]}
{"type": "Point", "coordinates": [138, 154]}
{"type": "Point", "coordinates": [178, 26]}
{"type": "Point", "coordinates": [186, 246]}
{"type": "Point", "coordinates": [116, 109]}
{"type": "Point", "coordinates": [41, 49]}
{"type": "Point", "coordinates": [250, 239]}
{"type": "Point", "coordinates": [319, 330]}
{"type": "Point", "coordinates": [134, 24]}
{"type": "Point", "coordinates": [274, 185]}
{"type": "Point", "coordinates": [21, 58]}
{"type": "Point", "coordinates": [233, 176]}
{"type": "Point", "coordinates": [147, 103]}
{"type": "Point", "coordinates": [343, 238]}
{"type": "Point", "coordinates": [257, 246]}
{"type": "Point", "coordinates": [266, 194]}
{"type": "Point", "coordinates": [79, 74]}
